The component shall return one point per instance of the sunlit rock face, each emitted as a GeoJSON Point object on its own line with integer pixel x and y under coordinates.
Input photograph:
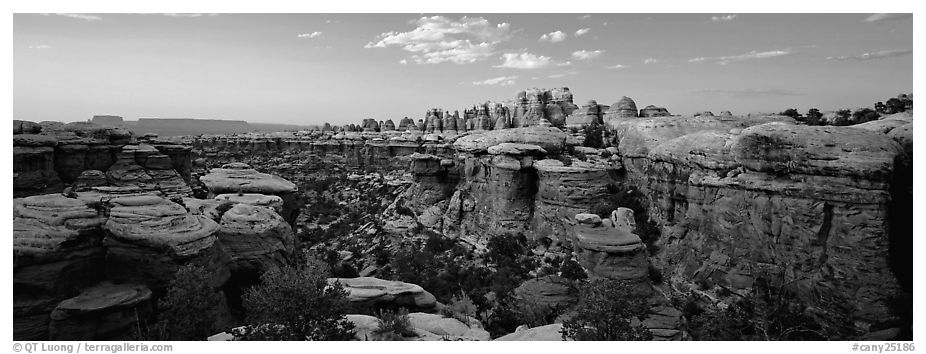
{"type": "Point", "coordinates": [564, 191]}
{"type": "Point", "coordinates": [241, 178]}
{"type": "Point", "coordinates": [744, 200]}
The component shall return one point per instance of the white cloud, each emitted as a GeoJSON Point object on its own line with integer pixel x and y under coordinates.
{"type": "Point", "coordinates": [651, 61]}
{"type": "Point", "coordinates": [557, 76]}
{"type": "Point", "coordinates": [886, 17]}
{"type": "Point", "coordinates": [553, 37]}
{"type": "Point", "coordinates": [85, 17]}
{"type": "Point", "coordinates": [881, 54]}
{"type": "Point", "coordinates": [403, 61]}
{"type": "Point", "coordinates": [499, 81]}
{"type": "Point", "coordinates": [585, 17]}
{"type": "Point", "coordinates": [439, 39]}
{"type": "Point", "coordinates": [332, 21]}
{"type": "Point", "coordinates": [723, 18]}
{"type": "Point", "coordinates": [587, 54]}
{"type": "Point", "coordinates": [753, 55]}
{"type": "Point", "coordinates": [39, 46]}
{"type": "Point", "coordinates": [582, 31]}
{"type": "Point", "coordinates": [565, 63]}
{"type": "Point", "coordinates": [618, 66]}
{"type": "Point", "coordinates": [524, 61]}
{"type": "Point", "coordinates": [309, 35]}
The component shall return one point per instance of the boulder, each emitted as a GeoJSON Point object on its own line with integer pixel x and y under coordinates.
{"type": "Point", "coordinates": [369, 290]}
{"type": "Point", "coordinates": [239, 177]}
{"type": "Point", "coordinates": [549, 291]}
{"type": "Point", "coordinates": [272, 202]}
{"type": "Point", "coordinates": [552, 140]}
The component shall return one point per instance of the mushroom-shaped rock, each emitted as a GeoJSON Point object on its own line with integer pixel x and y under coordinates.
{"type": "Point", "coordinates": [256, 238]}
{"type": "Point", "coordinates": [609, 252]}
{"type": "Point", "coordinates": [377, 291]}
{"type": "Point", "coordinates": [105, 311]}
{"type": "Point", "coordinates": [148, 238]}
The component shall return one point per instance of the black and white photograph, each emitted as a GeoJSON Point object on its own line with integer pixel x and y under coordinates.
{"type": "Point", "coordinates": [564, 175]}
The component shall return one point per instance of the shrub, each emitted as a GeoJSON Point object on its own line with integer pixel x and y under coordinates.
{"type": "Point", "coordinates": [296, 303]}
{"type": "Point", "coordinates": [570, 269]}
{"type": "Point", "coordinates": [606, 309]}
{"type": "Point", "coordinates": [768, 313]}
{"type": "Point", "coordinates": [393, 325]}
{"type": "Point", "coordinates": [189, 293]}
{"type": "Point", "coordinates": [461, 307]}
{"type": "Point", "coordinates": [534, 314]}
{"type": "Point", "coordinates": [594, 136]}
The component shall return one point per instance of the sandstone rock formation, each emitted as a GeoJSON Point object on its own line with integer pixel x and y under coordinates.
{"type": "Point", "coordinates": [56, 249]}
{"type": "Point", "coordinates": [369, 290]}
{"type": "Point", "coordinates": [551, 332]}
{"type": "Point", "coordinates": [149, 237]}
{"type": "Point", "coordinates": [105, 311]}
{"type": "Point", "coordinates": [256, 239]}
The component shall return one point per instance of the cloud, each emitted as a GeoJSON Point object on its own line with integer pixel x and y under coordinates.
{"type": "Point", "coordinates": [553, 37]}
{"type": "Point", "coordinates": [886, 17]}
{"type": "Point", "coordinates": [39, 46]}
{"type": "Point", "coordinates": [403, 61]}
{"type": "Point", "coordinates": [587, 54]}
{"type": "Point", "coordinates": [585, 17]}
{"type": "Point", "coordinates": [332, 21]}
{"type": "Point", "coordinates": [618, 66]}
{"type": "Point", "coordinates": [723, 18]}
{"type": "Point", "coordinates": [881, 54]}
{"type": "Point", "coordinates": [310, 35]}
{"type": "Point", "coordinates": [582, 31]}
{"type": "Point", "coordinates": [557, 76]}
{"type": "Point", "coordinates": [85, 17]}
{"type": "Point", "coordinates": [651, 61]}
{"type": "Point", "coordinates": [563, 74]}
{"type": "Point", "coordinates": [524, 61]}
{"type": "Point", "coordinates": [748, 93]}
{"type": "Point", "coordinates": [753, 55]}
{"type": "Point", "coordinates": [439, 39]}
{"type": "Point", "coordinates": [497, 81]}
{"type": "Point", "coordinates": [565, 63]}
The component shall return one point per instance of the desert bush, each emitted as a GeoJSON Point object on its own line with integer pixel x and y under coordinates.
{"type": "Point", "coordinates": [393, 325]}
{"type": "Point", "coordinates": [189, 293]}
{"type": "Point", "coordinates": [296, 303]}
{"type": "Point", "coordinates": [534, 314]}
{"type": "Point", "coordinates": [605, 312]}
{"type": "Point", "coordinates": [768, 313]}
{"type": "Point", "coordinates": [461, 307]}
{"type": "Point", "coordinates": [570, 269]}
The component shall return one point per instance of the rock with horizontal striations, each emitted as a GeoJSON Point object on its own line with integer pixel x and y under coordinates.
{"type": "Point", "coordinates": [256, 238]}
{"type": "Point", "coordinates": [369, 290]}
{"type": "Point", "coordinates": [551, 292]}
{"type": "Point", "coordinates": [610, 252]}
{"type": "Point", "coordinates": [564, 191]}
{"type": "Point", "coordinates": [104, 312]}
{"type": "Point", "coordinates": [57, 247]}
{"type": "Point", "coordinates": [148, 238]}
{"type": "Point", "coordinates": [240, 177]}
{"type": "Point", "coordinates": [553, 140]}
{"type": "Point", "coordinates": [89, 179]}
{"type": "Point", "coordinates": [588, 219]}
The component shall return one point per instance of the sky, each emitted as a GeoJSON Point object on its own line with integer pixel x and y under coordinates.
{"type": "Point", "coordinates": [341, 68]}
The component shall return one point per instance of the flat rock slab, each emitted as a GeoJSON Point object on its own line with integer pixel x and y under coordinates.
{"type": "Point", "coordinates": [369, 289]}
{"type": "Point", "coordinates": [100, 312]}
